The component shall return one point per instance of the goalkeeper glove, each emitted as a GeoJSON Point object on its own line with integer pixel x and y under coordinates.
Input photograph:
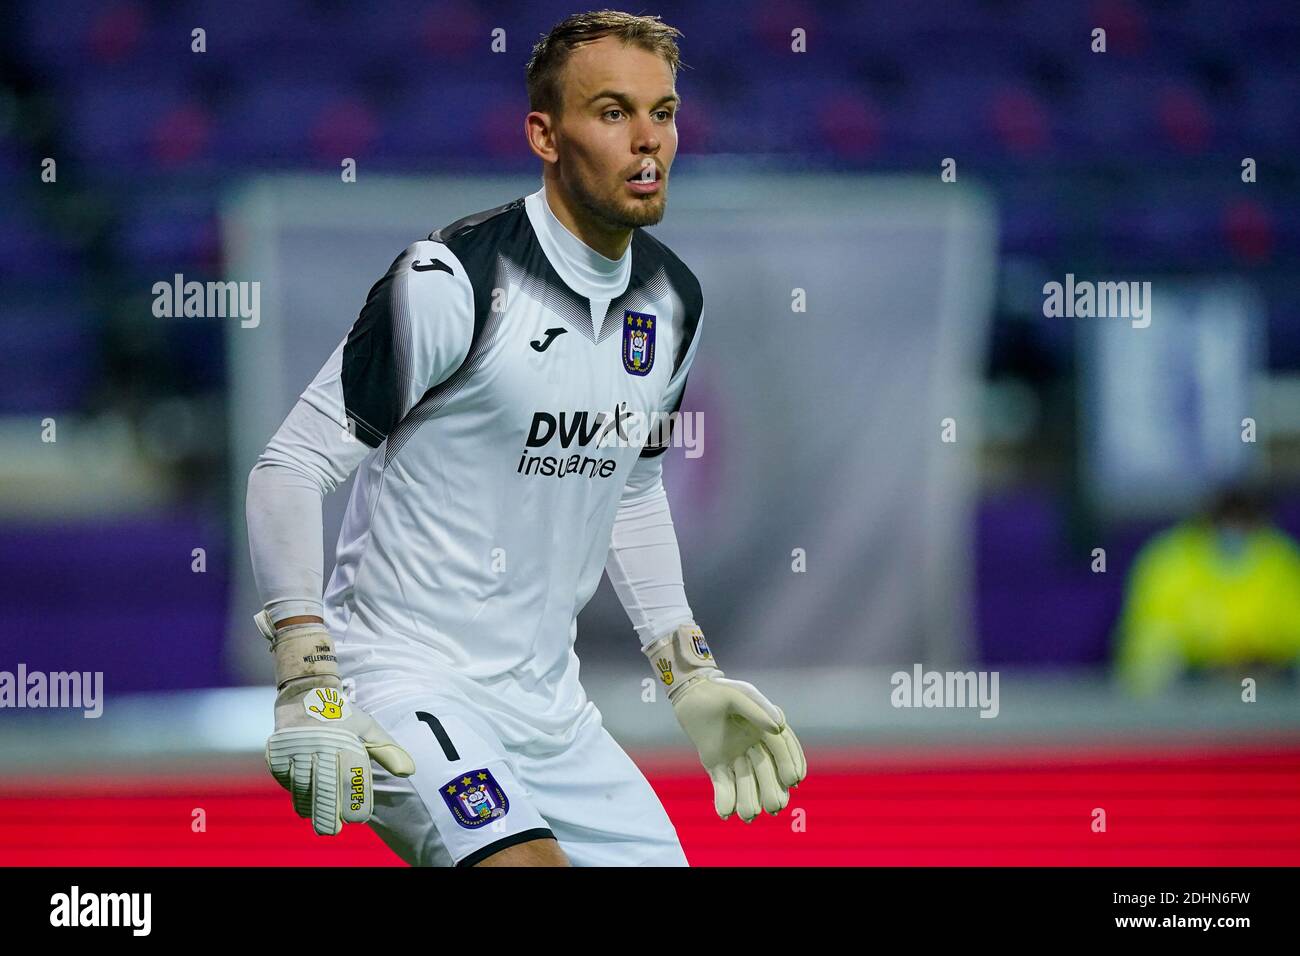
{"type": "Point", "coordinates": [323, 743]}
{"type": "Point", "coordinates": [751, 754]}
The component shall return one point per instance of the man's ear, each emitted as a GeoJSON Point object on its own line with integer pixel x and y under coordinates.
{"type": "Point", "coordinates": [540, 132]}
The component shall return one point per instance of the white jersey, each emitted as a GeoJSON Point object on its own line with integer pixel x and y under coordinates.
{"type": "Point", "coordinates": [490, 376]}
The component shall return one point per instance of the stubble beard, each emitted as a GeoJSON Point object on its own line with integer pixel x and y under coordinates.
{"type": "Point", "coordinates": [632, 213]}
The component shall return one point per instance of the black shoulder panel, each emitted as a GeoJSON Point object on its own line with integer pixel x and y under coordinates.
{"type": "Point", "coordinates": [375, 385]}
{"type": "Point", "coordinates": [648, 254]}
{"type": "Point", "coordinates": [477, 240]}
{"type": "Point", "coordinates": [372, 379]}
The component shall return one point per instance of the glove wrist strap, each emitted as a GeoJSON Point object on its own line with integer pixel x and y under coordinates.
{"type": "Point", "coordinates": [301, 650]}
{"type": "Point", "coordinates": [681, 658]}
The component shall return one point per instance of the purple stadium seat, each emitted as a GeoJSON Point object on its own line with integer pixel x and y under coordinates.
{"type": "Point", "coordinates": [1271, 113]}
{"type": "Point", "coordinates": [458, 119]}
{"type": "Point", "coordinates": [275, 122]}
{"type": "Point", "coordinates": [54, 335]}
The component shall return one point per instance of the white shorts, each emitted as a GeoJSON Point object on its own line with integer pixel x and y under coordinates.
{"type": "Point", "coordinates": [471, 796]}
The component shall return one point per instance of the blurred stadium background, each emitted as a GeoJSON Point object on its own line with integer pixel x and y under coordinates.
{"type": "Point", "coordinates": [819, 171]}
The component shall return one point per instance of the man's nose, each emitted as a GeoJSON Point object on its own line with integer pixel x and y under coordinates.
{"type": "Point", "coordinates": [647, 140]}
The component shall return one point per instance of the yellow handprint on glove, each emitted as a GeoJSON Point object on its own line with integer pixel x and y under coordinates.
{"type": "Point", "coordinates": [333, 709]}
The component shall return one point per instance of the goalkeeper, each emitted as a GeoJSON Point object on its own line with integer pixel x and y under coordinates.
{"type": "Point", "coordinates": [480, 397]}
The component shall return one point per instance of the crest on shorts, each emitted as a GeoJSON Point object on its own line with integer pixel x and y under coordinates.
{"type": "Point", "coordinates": [475, 798]}
{"type": "Point", "coordinates": [638, 342]}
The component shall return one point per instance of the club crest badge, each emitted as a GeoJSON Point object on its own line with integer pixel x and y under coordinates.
{"type": "Point", "coordinates": [475, 798]}
{"type": "Point", "coordinates": [638, 342]}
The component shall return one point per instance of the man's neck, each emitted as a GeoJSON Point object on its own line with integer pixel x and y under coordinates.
{"type": "Point", "coordinates": [609, 242]}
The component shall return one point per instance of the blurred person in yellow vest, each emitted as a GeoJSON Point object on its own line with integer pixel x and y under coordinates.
{"type": "Point", "coordinates": [1217, 594]}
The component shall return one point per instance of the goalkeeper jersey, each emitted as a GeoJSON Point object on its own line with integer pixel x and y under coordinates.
{"type": "Point", "coordinates": [498, 386]}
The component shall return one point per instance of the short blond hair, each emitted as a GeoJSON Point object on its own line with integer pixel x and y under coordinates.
{"type": "Point", "coordinates": [546, 65]}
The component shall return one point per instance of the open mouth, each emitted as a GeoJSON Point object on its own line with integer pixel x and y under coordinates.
{"type": "Point", "coordinates": [648, 172]}
{"type": "Point", "coordinates": [645, 181]}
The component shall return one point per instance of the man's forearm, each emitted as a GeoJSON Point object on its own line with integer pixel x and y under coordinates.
{"type": "Point", "coordinates": [285, 543]}
{"type": "Point", "coordinates": [645, 566]}
{"type": "Point", "coordinates": [306, 459]}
